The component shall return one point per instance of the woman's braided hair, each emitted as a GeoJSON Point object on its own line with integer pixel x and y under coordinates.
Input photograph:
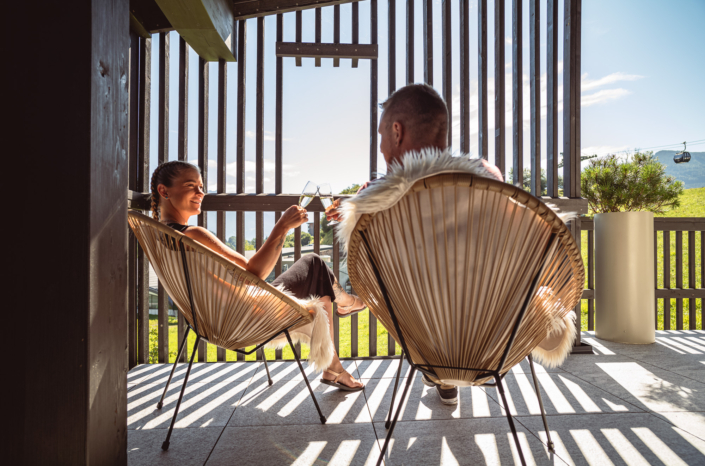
{"type": "Point", "coordinates": [165, 174]}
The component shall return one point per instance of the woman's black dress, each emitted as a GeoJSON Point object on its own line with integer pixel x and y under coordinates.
{"type": "Point", "coordinates": [309, 276]}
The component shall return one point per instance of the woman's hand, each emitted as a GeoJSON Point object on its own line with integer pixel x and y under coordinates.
{"type": "Point", "coordinates": [294, 217]}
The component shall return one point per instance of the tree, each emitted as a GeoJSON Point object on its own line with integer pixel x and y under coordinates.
{"type": "Point", "coordinates": [640, 184]}
{"type": "Point", "coordinates": [526, 182]}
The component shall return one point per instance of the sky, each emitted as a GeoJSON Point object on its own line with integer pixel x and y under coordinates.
{"type": "Point", "coordinates": [642, 83]}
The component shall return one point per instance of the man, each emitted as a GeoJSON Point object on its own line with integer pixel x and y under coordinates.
{"type": "Point", "coordinates": [413, 118]}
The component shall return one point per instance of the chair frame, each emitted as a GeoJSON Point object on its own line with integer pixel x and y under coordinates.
{"type": "Point", "coordinates": [495, 373]}
{"type": "Point", "coordinates": [199, 337]}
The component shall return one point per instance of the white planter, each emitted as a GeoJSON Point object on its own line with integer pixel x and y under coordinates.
{"type": "Point", "coordinates": [625, 295]}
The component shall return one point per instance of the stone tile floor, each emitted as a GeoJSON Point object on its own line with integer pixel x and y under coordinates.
{"type": "Point", "coordinates": [625, 405]}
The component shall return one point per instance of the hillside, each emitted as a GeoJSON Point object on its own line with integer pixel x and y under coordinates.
{"type": "Point", "coordinates": [692, 174]}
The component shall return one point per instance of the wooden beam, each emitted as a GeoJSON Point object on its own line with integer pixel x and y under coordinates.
{"type": "Point", "coordinates": [244, 9]}
{"type": "Point", "coordinates": [207, 26]}
{"type": "Point", "coordinates": [313, 50]}
{"type": "Point", "coordinates": [146, 18]}
{"type": "Point", "coordinates": [660, 224]}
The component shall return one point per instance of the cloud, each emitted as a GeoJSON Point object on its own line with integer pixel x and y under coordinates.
{"type": "Point", "coordinates": [268, 135]}
{"type": "Point", "coordinates": [602, 96]}
{"type": "Point", "coordinates": [589, 84]}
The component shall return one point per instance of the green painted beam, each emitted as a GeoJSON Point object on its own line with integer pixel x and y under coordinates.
{"type": "Point", "coordinates": [206, 25]}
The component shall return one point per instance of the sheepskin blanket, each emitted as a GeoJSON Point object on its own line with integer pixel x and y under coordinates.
{"type": "Point", "coordinates": [415, 166]}
{"type": "Point", "coordinates": [315, 334]}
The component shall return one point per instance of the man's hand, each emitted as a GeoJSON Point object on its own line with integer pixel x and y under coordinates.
{"type": "Point", "coordinates": [333, 213]}
{"type": "Point", "coordinates": [294, 217]}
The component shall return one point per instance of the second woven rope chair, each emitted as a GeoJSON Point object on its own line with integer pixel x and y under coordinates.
{"type": "Point", "coordinates": [470, 275]}
{"type": "Point", "coordinates": [228, 306]}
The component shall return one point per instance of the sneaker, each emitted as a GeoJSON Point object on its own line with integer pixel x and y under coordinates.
{"type": "Point", "coordinates": [447, 393]}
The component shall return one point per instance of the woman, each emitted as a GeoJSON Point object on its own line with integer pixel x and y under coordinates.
{"type": "Point", "coordinates": [177, 193]}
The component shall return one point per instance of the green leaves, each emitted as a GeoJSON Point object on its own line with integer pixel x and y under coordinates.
{"type": "Point", "coordinates": [640, 184]}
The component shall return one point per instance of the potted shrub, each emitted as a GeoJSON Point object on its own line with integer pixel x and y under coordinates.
{"type": "Point", "coordinates": [624, 195]}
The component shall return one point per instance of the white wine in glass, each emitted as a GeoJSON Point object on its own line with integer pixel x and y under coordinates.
{"type": "Point", "coordinates": [310, 191]}
{"type": "Point", "coordinates": [326, 194]}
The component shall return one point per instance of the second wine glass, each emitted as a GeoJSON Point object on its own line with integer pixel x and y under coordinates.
{"type": "Point", "coordinates": [326, 194]}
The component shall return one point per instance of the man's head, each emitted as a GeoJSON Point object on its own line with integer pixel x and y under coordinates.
{"type": "Point", "coordinates": [413, 117]}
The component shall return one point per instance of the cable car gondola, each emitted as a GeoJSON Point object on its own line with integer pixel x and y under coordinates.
{"type": "Point", "coordinates": [683, 156]}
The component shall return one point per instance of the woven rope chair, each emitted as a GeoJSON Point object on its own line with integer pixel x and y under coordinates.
{"type": "Point", "coordinates": [221, 302]}
{"type": "Point", "coordinates": [468, 274]}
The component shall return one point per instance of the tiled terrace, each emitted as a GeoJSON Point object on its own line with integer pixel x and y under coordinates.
{"type": "Point", "coordinates": [625, 405]}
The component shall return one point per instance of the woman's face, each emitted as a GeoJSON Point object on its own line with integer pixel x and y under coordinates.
{"type": "Point", "coordinates": [185, 193]}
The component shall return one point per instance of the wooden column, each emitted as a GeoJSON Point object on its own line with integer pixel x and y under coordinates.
{"type": "Point", "coordinates": [482, 79]}
{"type": "Point", "coordinates": [499, 90]}
{"type": "Point", "coordinates": [68, 392]}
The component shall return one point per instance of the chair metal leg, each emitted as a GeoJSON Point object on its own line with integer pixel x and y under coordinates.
{"type": "Point", "coordinates": [266, 367]}
{"type": "Point", "coordinates": [500, 387]}
{"type": "Point", "coordinates": [396, 415]}
{"type": "Point", "coordinates": [543, 411]}
{"type": "Point", "coordinates": [173, 368]}
{"type": "Point", "coordinates": [394, 393]}
{"type": "Point", "coordinates": [165, 445]}
{"type": "Point", "coordinates": [303, 374]}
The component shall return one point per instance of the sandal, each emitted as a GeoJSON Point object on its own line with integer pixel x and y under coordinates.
{"type": "Point", "coordinates": [338, 385]}
{"type": "Point", "coordinates": [349, 308]}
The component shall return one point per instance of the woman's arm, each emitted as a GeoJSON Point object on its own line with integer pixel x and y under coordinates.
{"type": "Point", "coordinates": [262, 262]}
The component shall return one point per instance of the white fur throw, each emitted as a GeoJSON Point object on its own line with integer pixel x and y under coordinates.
{"type": "Point", "coordinates": [315, 334]}
{"type": "Point", "coordinates": [386, 192]}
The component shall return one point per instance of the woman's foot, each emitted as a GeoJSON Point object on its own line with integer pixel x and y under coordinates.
{"type": "Point", "coordinates": [354, 306]}
{"type": "Point", "coordinates": [342, 380]}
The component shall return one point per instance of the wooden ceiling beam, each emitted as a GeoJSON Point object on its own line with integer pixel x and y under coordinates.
{"type": "Point", "coordinates": [245, 9]}
{"type": "Point", "coordinates": [207, 25]}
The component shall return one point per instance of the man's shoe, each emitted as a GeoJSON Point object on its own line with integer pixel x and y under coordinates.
{"type": "Point", "coordinates": [447, 393]}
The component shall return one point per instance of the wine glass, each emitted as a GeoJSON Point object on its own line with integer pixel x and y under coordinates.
{"type": "Point", "coordinates": [326, 195]}
{"type": "Point", "coordinates": [307, 195]}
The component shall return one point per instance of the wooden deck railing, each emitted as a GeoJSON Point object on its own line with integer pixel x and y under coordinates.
{"type": "Point", "coordinates": [670, 272]}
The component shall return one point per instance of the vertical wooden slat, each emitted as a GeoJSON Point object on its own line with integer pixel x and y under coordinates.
{"type": "Point", "coordinates": [373, 93]}
{"type": "Point", "coordinates": [355, 28]}
{"type": "Point", "coordinates": [133, 164]}
{"type": "Point", "coordinates": [392, 51]}
{"type": "Point", "coordinates": [409, 41]}
{"type": "Point", "coordinates": [656, 278]}
{"type": "Point", "coordinates": [571, 98]}
{"type": "Point", "coordinates": [447, 63]}
{"type": "Point", "coordinates": [278, 135]}
{"type": "Point", "coordinates": [203, 99]}
{"type": "Point", "coordinates": [297, 256]}
{"type": "Point", "coordinates": [163, 156]}
{"type": "Point", "coordinates": [336, 272]}
{"type": "Point", "coordinates": [666, 279]}
{"type": "Point", "coordinates": [143, 184]}
{"type": "Point", "coordinates": [517, 95]}
{"type": "Point", "coordinates": [464, 6]}
{"type": "Point", "coordinates": [679, 279]}
{"type": "Point", "coordinates": [183, 100]}
{"type": "Point", "coordinates": [499, 89]}
{"type": "Point", "coordinates": [318, 33]}
{"type": "Point", "coordinates": [240, 149]}
{"type": "Point", "coordinates": [298, 33]}
{"type": "Point", "coordinates": [591, 277]}
{"type": "Point", "coordinates": [317, 233]}
{"type": "Point", "coordinates": [222, 114]}
{"type": "Point", "coordinates": [336, 32]}
{"type": "Point", "coordinates": [576, 231]}
{"type": "Point", "coordinates": [691, 281]}
{"type": "Point", "coordinates": [182, 149]}
{"type": "Point", "coordinates": [428, 41]}
{"type": "Point", "coordinates": [483, 122]}
{"type": "Point", "coordinates": [552, 99]}
{"type": "Point", "coordinates": [702, 276]}
{"type": "Point", "coordinates": [535, 90]}
{"type": "Point", "coordinates": [259, 131]}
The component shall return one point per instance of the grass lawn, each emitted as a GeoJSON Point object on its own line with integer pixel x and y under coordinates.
{"type": "Point", "coordinates": [692, 205]}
